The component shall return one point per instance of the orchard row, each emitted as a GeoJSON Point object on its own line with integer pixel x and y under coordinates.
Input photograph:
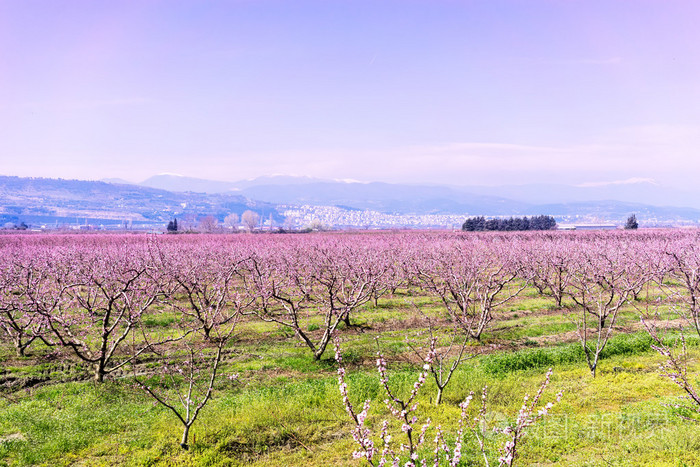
{"type": "Point", "coordinates": [90, 294]}
{"type": "Point", "coordinates": [98, 296]}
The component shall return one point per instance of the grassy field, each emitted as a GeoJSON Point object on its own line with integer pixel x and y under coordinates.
{"type": "Point", "coordinates": [286, 409]}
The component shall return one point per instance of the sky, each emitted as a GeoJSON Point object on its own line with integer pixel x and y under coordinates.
{"type": "Point", "coordinates": [454, 92]}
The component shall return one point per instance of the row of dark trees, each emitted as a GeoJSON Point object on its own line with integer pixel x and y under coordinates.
{"type": "Point", "coordinates": [480, 224]}
{"type": "Point", "coordinates": [172, 226]}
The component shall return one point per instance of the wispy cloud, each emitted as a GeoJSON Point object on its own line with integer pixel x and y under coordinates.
{"type": "Point", "coordinates": [619, 160]}
{"type": "Point", "coordinates": [90, 104]}
{"type": "Point", "coordinates": [593, 61]}
{"type": "Point", "coordinates": [583, 61]}
{"type": "Point", "coordinates": [629, 181]}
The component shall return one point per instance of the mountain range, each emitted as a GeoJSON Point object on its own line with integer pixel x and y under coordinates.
{"type": "Point", "coordinates": [55, 202]}
{"type": "Point", "coordinates": [307, 190]}
{"type": "Point", "coordinates": [607, 201]}
{"type": "Point", "coordinates": [162, 197]}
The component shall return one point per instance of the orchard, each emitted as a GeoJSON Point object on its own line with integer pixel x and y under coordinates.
{"type": "Point", "coordinates": [401, 348]}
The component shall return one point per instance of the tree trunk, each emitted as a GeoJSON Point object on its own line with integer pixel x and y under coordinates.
{"type": "Point", "coordinates": [318, 353]}
{"type": "Point", "coordinates": [99, 373]}
{"type": "Point", "coordinates": [185, 435]}
{"type": "Point", "coordinates": [20, 348]}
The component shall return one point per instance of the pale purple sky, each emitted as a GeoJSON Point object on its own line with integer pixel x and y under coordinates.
{"type": "Point", "coordinates": [434, 91]}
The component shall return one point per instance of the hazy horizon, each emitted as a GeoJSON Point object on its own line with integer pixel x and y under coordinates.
{"type": "Point", "coordinates": [439, 92]}
{"type": "Point", "coordinates": [631, 181]}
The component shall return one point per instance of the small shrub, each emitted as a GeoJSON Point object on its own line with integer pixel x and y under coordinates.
{"type": "Point", "coordinates": [499, 364]}
{"type": "Point", "coordinates": [623, 344]}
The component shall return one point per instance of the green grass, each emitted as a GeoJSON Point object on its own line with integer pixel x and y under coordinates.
{"type": "Point", "coordinates": [508, 362]}
{"type": "Point", "coordinates": [57, 423]}
{"type": "Point", "coordinates": [286, 407]}
{"type": "Point", "coordinates": [162, 319]}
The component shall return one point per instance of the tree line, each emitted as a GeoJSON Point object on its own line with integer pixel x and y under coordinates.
{"type": "Point", "coordinates": [481, 224]}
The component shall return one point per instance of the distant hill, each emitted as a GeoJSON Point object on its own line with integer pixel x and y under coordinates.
{"type": "Point", "coordinates": [425, 199]}
{"type": "Point", "coordinates": [386, 197]}
{"type": "Point", "coordinates": [57, 201]}
{"type": "Point", "coordinates": [179, 183]}
{"type": "Point", "coordinates": [40, 201]}
{"type": "Point", "coordinates": [174, 182]}
{"type": "Point", "coordinates": [382, 197]}
{"type": "Point", "coordinates": [609, 210]}
{"type": "Point", "coordinates": [613, 201]}
{"type": "Point", "coordinates": [632, 191]}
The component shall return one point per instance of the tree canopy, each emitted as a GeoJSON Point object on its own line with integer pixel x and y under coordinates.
{"type": "Point", "coordinates": [479, 224]}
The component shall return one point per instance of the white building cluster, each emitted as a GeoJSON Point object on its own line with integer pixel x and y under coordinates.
{"type": "Point", "coordinates": [299, 217]}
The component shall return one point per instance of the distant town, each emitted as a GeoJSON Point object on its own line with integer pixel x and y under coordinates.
{"type": "Point", "coordinates": [75, 205]}
{"type": "Point", "coordinates": [316, 218]}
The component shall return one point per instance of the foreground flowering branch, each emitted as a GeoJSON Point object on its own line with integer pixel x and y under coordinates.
{"type": "Point", "coordinates": [526, 417]}
{"type": "Point", "coordinates": [406, 412]}
{"type": "Point", "coordinates": [675, 367]}
{"type": "Point", "coordinates": [403, 410]}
